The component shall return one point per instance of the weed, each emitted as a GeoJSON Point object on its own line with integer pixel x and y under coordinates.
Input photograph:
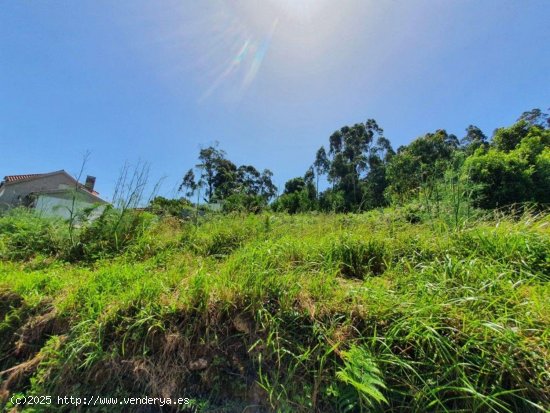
{"type": "Point", "coordinates": [369, 312]}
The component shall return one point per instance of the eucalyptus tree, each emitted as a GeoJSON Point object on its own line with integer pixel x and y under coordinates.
{"type": "Point", "coordinates": [188, 183]}
{"type": "Point", "coordinates": [376, 182]}
{"type": "Point", "coordinates": [536, 117]}
{"type": "Point", "coordinates": [225, 179]}
{"type": "Point", "coordinates": [473, 140]}
{"type": "Point", "coordinates": [349, 151]}
{"type": "Point", "coordinates": [321, 165]}
{"type": "Point", "coordinates": [210, 158]}
{"type": "Point", "coordinates": [239, 187]}
{"type": "Point", "coordinates": [267, 188]}
{"type": "Point", "coordinates": [248, 180]}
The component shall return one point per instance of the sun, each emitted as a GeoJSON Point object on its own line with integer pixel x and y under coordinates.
{"type": "Point", "coordinates": [246, 32]}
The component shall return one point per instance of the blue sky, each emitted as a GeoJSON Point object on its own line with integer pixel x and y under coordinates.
{"type": "Point", "coordinates": [269, 80]}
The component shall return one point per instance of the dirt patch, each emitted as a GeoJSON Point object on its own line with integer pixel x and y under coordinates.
{"type": "Point", "coordinates": [25, 331]}
{"type": "Point", "coordinates": [191, 356]}
{"type": "Point", "coordinates": [8, 301]}
{"type": "Point", "coordinates": [36, 331]}
{"type": "Point", "coordinates": [16, 375]}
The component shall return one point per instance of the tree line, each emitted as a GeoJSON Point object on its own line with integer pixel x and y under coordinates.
{"type": "Point", "coordinates": [365, 172]}
{"type": "Point", "coordinates": [216, 179]}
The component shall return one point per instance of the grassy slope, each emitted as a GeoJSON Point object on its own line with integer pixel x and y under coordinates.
{"type": "Point", "coordinates": [292, 313]}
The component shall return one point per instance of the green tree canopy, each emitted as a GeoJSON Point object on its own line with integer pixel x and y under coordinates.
{"type": "Point", "coordinates": [515, 169]}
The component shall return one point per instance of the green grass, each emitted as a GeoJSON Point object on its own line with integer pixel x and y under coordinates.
{"type": "Point", "coordinates": [297, 313]}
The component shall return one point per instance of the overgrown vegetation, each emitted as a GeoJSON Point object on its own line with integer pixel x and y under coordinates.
{"type": "Point", "coordinates": [392, 310]}
{"type": "Point", "coordinates": [434, 299]}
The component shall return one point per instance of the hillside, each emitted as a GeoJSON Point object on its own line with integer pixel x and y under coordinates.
{"type": "Point", "coordinates": [367, 312]}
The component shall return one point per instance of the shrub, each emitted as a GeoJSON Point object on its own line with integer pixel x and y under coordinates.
{"type": "Point", "coordinates": [244, 203]}
{"type": "Point", "coordinates": [171, 207]}
{"type": "Point", "coordinates": [24, 233]}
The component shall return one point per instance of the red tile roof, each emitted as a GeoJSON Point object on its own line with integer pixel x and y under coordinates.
{"type": "Point", "coordinates": [14, 178]}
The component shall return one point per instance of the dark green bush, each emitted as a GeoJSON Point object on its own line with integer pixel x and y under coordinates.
{"type": "Point", "coordinates": [171, 207]}
{"type": "Point", "coordinates": [513, 170]}
{"type": "Point", "coordinates": [244, 203]}
{"type": "Point", "coordinates": [23, 234]}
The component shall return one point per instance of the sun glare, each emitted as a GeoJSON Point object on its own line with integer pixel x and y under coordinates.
{"type": "Point", "coordinates": [245, 33]}
{"type": "Point", "coordinates": [299, 9]}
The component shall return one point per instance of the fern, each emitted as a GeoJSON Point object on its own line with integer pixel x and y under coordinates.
{"type": "Point", "coordinates": [361, 373]}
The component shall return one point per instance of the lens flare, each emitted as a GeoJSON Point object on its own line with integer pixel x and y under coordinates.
{"type": "Point", "coordinates": [244, 34]}
{"type": "Point", "coordinates": [259, 57]}
{"type": "Point", "coordinates": [241, 69]}
{"type": "Point", "coordinates": [231, 69]}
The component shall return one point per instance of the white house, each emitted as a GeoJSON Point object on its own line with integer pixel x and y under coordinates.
{"type": "Point", "coordinates": [51, 194]}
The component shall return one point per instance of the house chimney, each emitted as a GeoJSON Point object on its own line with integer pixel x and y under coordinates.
{"type": "Point", "coordinates": [90, 182]}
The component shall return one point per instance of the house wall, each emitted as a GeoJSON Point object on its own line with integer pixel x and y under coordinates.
{"type": "Point", "coordinates": [13, 194]}
{"type": "Point", "coordinates": [61, 205]}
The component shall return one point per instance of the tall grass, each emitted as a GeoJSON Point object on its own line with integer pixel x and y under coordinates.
{"type": "Point", "coordinates": [24, 234]}
{"type": "Point", "coordinates": [371, 312]}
